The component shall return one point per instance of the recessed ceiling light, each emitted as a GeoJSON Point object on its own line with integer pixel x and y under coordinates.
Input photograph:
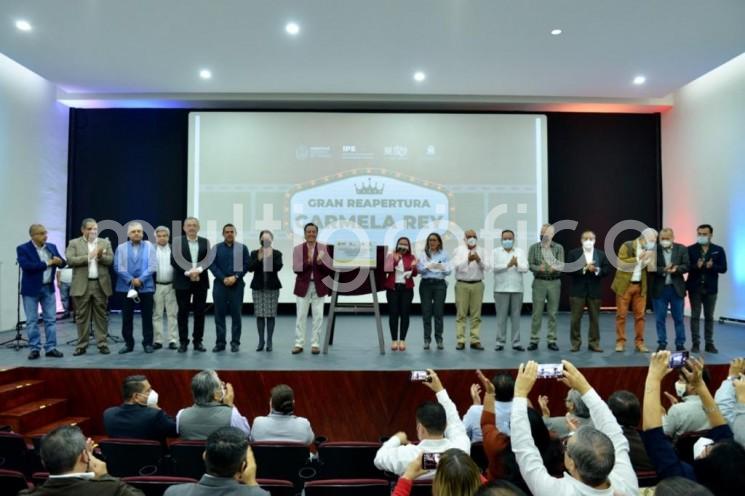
{"type": "Point", "coordinates": [639, 80]}
{"type": "Point", "coordinates": [292, 28]}
{"type": "Point", "coordinates": [556, 32]}
{"type": "Point", "coordinates": [419, 76]}
{"type": "Point", "coordinates": [205, 74]}
{"type": "Point", "coordinates": [23, 25]}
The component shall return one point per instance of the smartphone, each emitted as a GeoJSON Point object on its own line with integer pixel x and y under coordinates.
{"type": "Point", "coordinates": [550, 370]}
{"type": "Point", "coordinates": [678, 359]}
{"type": "Point", "coordinates": [430, 460]}
{"type": "Point", "coordinates": [420, 376]}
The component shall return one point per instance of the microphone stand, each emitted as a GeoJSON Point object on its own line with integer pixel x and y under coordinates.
{"type": "Point", "coordinates": [18, 341]}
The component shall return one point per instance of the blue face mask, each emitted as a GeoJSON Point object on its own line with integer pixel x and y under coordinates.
{"type": "Point", "coordinates": [507, 243]}
{"type": "Point", "coordinates": [650, 245]}
{"type": "Point", "coordinates": [703, 240]}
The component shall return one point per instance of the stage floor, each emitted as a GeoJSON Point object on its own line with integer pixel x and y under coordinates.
{"type": "Point", "coordinates": [356, 348]}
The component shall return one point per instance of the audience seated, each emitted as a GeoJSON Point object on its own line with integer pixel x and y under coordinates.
{"type": "Point", "coordinates": [281, 424]}
{"type": "Point", "coordinates": [230, 466]}
{"type": "Point", "coordinates": [456, 475]}
{"type": "Point", "coordinates": [139, 416]}
{"type": "Point", "coordinates": [438, 428]}
{"type": "Point", "coordinates": [685, 416]}
{"type": "Point", "coordinates": [213, 408]}
{"type": "Point", "coordinates": [730, 398]}
{"type": "Point", "coordinates": [74, 470]}
{"type": "Point", "coordinates": [720, 466]}
{"type": "Point", "coordinates": [577, 414]}
{"type": "Point", "coordinates": [626, 408]}
{"type": "Point", "coordinates": [504, 386]}
{"type": "Point", "coordinates": [596, 458]}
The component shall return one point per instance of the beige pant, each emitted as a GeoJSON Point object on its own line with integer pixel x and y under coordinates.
{"type": "Point", "coordinates": [315, 302]}
{"type": "Point", "coordinates": [91, 307]}
{"type": "Point", "coordinates": [468, 300]}
{"type": "Point", "coordinates": [165, 299]}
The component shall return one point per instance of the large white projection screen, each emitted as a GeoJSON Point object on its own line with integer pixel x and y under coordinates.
{"type": "Point", "coordinates": [368, 178]}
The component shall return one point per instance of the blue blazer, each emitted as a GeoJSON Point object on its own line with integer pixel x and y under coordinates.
{"type": "Point", "coordinates": [33, 268]}
{"type": "Point", "coordinates": [142, 267]}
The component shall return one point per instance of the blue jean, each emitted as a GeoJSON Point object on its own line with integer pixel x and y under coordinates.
{"type": "Point", "coordinates": [669, 299]}
{"type": "Point", "coordinates": [49, 315]}
{"type": "Point", "coordinates": [64, 296]}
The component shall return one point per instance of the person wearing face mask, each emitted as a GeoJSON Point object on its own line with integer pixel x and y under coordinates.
{"type": "Point", "coordinates": [686, 413]}
{"type": "Point", "coordinates": [707, 262]}
{"type": "Point", "coordinates": [90, 258]}
{"type": "Point", "coordinates": [470, 268]}
{"type": "Point", "coordinates": [265, 262]}
{"type": "Point", "coordinates": [434, 266]}
{"type": "Point", "coordinates": [510, 266]}
{"type": "Point", "coordinates": [586, 290]}
{"type": "Point", "coordinates": [635, 259]}
{"type": "Point", "coordinates": [400, 267]}
{"type": "Point", "coordinates": [139, 417]}
{"type": "Point", "coordinates": [546, 261]}
{"type": "Point", "coordinates": [214, 407]}
{"type": "Point", "coordinates": [669, 288]}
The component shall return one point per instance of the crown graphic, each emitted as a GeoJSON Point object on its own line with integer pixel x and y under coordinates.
{"type": "Point", "coordinates": [369, 188]}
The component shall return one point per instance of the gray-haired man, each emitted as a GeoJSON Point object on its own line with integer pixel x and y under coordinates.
{"type": "Point", "coordinates": [165, 295]}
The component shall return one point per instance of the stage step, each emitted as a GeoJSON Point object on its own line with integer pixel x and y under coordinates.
{"type": "Point", "coordinates": [82, 422]}
{"type": "Point", "coordinates": [30, 416]}
{"type": "Point", "coordinates": [17, 393]}
{"type": "Point", "coordinates": [11, 374]}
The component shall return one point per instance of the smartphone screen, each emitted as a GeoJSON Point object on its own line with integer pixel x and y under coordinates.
{"type": "Point", "coordinates": [550, 370]}
{"type": "Point", "coordinates": [678, 359]}
{"type": "Point", "coordinates": [430, 461]}
{"type": "Point", "coordinates": [419, 376]}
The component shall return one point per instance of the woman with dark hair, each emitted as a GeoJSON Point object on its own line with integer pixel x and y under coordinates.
{"type": "Point", "coordinates": [265, 262]}
{"type": "Point", "coordinates": [400, 267]}
{"type": "Point", "coordinates": [679, 486]}
{"type": "Point", "coordinates": [281, 424]}
{"type": "Point", "coordinates": [456, 475]}
{"type": "Point", "coordinates": [434, 266]}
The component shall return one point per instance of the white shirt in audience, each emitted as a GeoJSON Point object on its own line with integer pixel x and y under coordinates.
{"type": "Point", "coordinates": [472, 419]}
{"type": "Point", "coordinates": [686, 416]}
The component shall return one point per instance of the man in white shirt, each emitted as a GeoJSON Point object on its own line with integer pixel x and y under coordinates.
{"type": "Point", "coordinates": [504, 389]}
{"type": "Point", "coordinates": [438, 427]}
{"type": "Point", "coordinates": [510, 265]}
{"type": "Point", "coordinates": [165, 295]}
{"type": "Point", "coordinates": [469, 290]}
{"type": "Point", "coordinates": [687, 415]}
{"type": "Point", "coordinates": [596, 458]}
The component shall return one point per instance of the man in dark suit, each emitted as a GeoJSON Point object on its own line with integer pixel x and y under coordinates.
{"type": "Point", "coordinates": [39, 260]}
{"type": "Point", "coordinates": [229, 461]}
{"type": "Point", "coordinates": [139, 417]}
{"type": "Point", "coordinates": [707, 262]}
{"type": "Point", "coordinates": [74, 470]}
{"type": "Point", "coordinates": [190, 258]}
{"type": "Point", "coordinates": [590, 267]}
{"type": "Point", "coordinates": [669, 288]}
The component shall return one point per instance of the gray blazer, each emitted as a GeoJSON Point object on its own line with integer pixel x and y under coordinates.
{"type": "Point", "coordinates": [77, 258]}
{"type": "Point", "coordinates": [215, 486]}
{"type": "Point", "coordinates": [679, 258]}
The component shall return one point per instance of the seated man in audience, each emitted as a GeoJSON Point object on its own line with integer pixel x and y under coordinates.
{"type": "Point", "coordinates": [730, 398]}
{"type": "Point", "coordinates": [73, 470]}
{"type": "Point", "coordinates": [685, 416]}
{"type": "Point", "coordinates": [139, 416]}
{"type": "Point", "coordinates": [596, 458]}
{"type": "Point", "coordinates": [719, 466]}
{"type": "Point", "coordinates": [626, 408]}
{"type": "Point", "coordinates": [504, 386]}
{"type": "Point", "coordinates": [213, 408]}
{"type": "Point", "coordinates": [230, 467]}
{"type": "Point", "coordinates": [281, 424]}
{"type": "Point", "coordinates": [577, 414]}
{"type": "Point", "coordinates": [438, 428]}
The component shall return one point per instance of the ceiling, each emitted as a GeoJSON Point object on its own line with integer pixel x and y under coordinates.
{"type": "Point", "coordinates": [465, 47]}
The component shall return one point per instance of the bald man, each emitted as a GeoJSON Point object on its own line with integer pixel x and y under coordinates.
{"type": "Point", "coordinates": [470, 268]}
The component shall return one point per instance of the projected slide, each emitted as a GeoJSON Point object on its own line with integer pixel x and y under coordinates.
{"type": "Point", "coordinates": [367, 178]}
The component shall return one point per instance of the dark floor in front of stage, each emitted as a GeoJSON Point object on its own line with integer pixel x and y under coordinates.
{"type": "Point", "coordinates": [356, 348]}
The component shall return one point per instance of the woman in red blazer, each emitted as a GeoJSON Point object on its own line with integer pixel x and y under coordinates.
{"type": "Point", "coordinates": [400, 267]}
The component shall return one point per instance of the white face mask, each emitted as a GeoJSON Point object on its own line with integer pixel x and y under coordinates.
{"type": "Point", "coordinates": [588, 244]}
{"type": "Point", "coordinates": [152, 398]}
{"type": "Point", "coordinates": [666, 243]}
{"type": "Point", "coordinates": [680, 388]}
{"type": "Point", "coordinates": [471, 242]}
{"type": "Point", "coordinates": [650, 245]}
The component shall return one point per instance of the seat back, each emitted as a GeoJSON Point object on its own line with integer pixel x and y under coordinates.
{"type": "Point", "coordinates": [647, 478]}
{"type": "Point", "coordinates": [187, 458]}
{"type": "Point", "coordinates": [348, 460]}
{"type": "Point", "coordinates": [280, 460]}
{"type": "Point", "coordinates": [422, 488]}
{"type": "Point", "coordinates": [13, 481]}
{"type": "Point", "coordinates": [13, 452]}
{"type": "Point", "coordinates": [156, 485]}
{"type": "Point", "coordinates": [343, 487]}
{"type": "Point", "coordinates": [277, 487]}
{"type": "Point", "coordinates": [132, 457]}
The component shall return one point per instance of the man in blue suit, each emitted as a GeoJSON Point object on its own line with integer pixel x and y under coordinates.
{"type": "Point", "coordinates": [39, 260]}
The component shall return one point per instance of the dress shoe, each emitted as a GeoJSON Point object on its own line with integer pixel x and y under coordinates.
{"type": "Point", "coordinates": [574, 349]}
{"type": "Point", "coordinates": [315, 350]}
{"type": "Point", "coordinates": [619, 347]}
{"type": "Point", "coordinates": [696, 348]}
{"type": "Point", "coordinates": [532, 346]}
{"type": "Point", "coordinates": [440, 346]}
{"type": "Point", "coordinates": [642, 348]}
{"type": "Point", "coordinates": [260, 347]}
{"type": "Point", "coordinates": [34, 355]}
{"type": "Point", "coordinates": [65, 315]}
{"type": "Point", "coordinates": [553, 347]}
{"type": "Point", "coordinates": [125, 349]}
{"type": "Point", "coordinates": [235, 348]}
{"type": "Point", "coordinates": [182, 348]}
{"type": "Point", "coordinates": [661, 347]}
{"type": "Point", "coordinates": [157, 346]}
{"type": "Point", "coordinates": [104, 350]}
{"type": "Point", "coordinates": [680, 347]}
{"type": "Point", "coordinates": [426, 346]}
{"type": "Point", "coordinates": [172, 346]}
{"type": "Point", "coordinates": [518, 348]}
{"type": "Point", "coordinates": [79, 351]}
{"type": "Point", "coordinates": [595, 349]}
{"type": "Point", "coordinates": [499, 347]}
{"type": "Point", "coordinates": [710, 348]}
{"type": "Point", "coordinates": [218, 348]}
{"type": "Point", "coordinates": [297, 349]}
{"type": "Point", "coordinates": [477, 346]}
{"type": "Point", "coordinates": [54, 353]}
{"type": "Point", "coordinates": [269, 347]}
{"type": "Point", "coordinates": [148, 348]}
{"type": "Point", "coordinates": [394, 346]}
{"type": "Point", "coordinates": [401, 346]}
{"type": "Point", "coordinates": [460, 346]}
{"type": "Point", "coordinates": [199, 347]}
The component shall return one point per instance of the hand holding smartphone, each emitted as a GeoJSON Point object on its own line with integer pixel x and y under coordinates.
{"type": "Point", "coordinates": [430, 461]}
{"type": "Point", "coordinates": [420, 376]}
{"type": "Point", "coordinates": [550, 371]}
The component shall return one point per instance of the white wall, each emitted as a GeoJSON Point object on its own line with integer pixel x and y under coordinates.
{"type": "Point", "coordinates": [703, 170]}
{"type": "Point", "coordinates": [33, 170]}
